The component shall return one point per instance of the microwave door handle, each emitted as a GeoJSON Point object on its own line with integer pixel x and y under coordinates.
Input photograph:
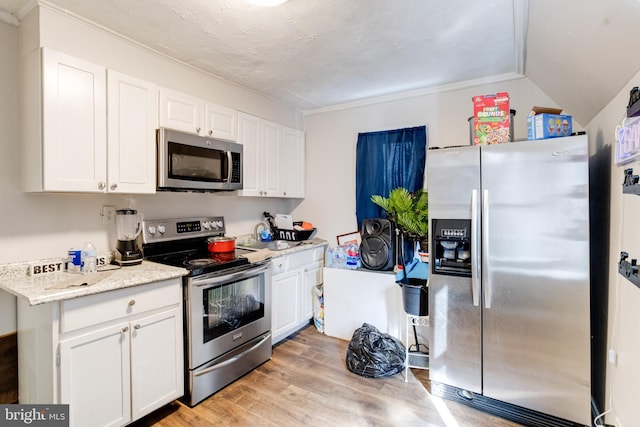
{"type": "Point", "coordinates": [229, 165]}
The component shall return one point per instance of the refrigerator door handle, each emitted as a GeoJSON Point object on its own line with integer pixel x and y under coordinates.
{"type": "Point", "coordinates": [486, 277]}
{"type": "Point", "coordinates": [476, 269]}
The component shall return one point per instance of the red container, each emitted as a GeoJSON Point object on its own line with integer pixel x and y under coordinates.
{"type": "Point", "coordinates": [221, 244]}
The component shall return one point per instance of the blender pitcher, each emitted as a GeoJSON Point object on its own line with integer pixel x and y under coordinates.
{"type": "Point", "coordinates": [128, 227]}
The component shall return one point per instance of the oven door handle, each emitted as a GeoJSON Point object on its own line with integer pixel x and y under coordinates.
{"type": "Point", "coordinates": [197, 282]}
{"type": "Point", "coordinates": [233, 359]}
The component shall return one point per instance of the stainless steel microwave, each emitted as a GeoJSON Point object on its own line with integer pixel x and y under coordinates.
{"type": "Point", "coordinates": [188, 162]}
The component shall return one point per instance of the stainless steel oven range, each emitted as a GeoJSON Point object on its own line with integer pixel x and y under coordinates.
{"type": "Point", "coordinates": [227, 309]}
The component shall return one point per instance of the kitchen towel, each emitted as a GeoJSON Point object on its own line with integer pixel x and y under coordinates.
{"type": "Point", "coordinates": [68, 280]}
{"type": "Point", "coordinates": [258, 256]}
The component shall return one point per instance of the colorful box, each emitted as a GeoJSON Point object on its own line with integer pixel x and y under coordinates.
{"type": "Point", "coordinates": [546, 122]}
{"type": "Point", "coordinates": [491, 119]}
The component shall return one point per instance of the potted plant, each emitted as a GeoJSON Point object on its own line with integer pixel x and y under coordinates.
{"type": "Point", "coordinates": [409, 212]}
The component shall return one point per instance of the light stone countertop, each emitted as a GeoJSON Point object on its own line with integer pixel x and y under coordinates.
{"type": "Point", "coordinates": [300, 246]}
{"type": "Point", "coordinates": [52, 287]}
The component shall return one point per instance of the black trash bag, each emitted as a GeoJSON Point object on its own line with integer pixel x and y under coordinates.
{"type": "Point", "coordinates": [373, 354]}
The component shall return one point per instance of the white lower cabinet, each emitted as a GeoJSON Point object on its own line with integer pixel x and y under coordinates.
{"type": "Point", "coordinates": [95, 368]}
{"type": "Point", "coordinates": [116, 356]}
{"type": "Point", "coordinates": [294, 277]}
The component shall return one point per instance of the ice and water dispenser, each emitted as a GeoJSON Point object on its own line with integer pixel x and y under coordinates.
{"type": "Point", "coordinates": [451, 247]}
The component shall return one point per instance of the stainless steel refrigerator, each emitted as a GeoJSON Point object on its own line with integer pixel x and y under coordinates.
{"type": "Point", "coordinates": [509, 284]}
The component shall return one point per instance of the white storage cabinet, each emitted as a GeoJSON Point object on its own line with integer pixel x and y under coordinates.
{"type": "Point", "coordinates": [294, 278]}
{"type": "Point", "coordinates": [190, 114]}
{"type": "Point", "coordinates": [293, 163]}
{"type": "Point", "coordinates": [261, 140]}
{"type": "Point", "coordinates": [64, 127]}
{"type": "Point", "coordinates": [113, 357]}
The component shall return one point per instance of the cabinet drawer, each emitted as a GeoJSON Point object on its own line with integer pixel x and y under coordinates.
{"type": "Point", "coordinates": [305, 257]}
{"type": "Point", "coordinates": [94, 309]}
{"type": "Point", "coordinates": [279, 265]}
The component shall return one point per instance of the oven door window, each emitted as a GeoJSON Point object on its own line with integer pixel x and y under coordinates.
{"type": "Point", "coordinates": [197, 164]}
{"type": "Point", "coordinates": [231, 306]}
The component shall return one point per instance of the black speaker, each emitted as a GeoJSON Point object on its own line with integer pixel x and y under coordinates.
{"type": "Point", "coordinates": [376, 249]}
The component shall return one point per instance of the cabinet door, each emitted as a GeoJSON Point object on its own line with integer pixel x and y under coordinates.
{"type": "Point", "coordinates": [181, 112]}
{"type": "Point", "coordinates": [312, 277]}
{"type": "Point", "coordinates": [74, 134]}
{"type": "Point", "coordinates": [156, 361]}
{"type": "Point", "coordinates": [285, 304]}
{"type": "Point", "coordinates": [94, 377]}
{"type": "Point", "coordinates": [293, 163]}
{"type": "Point", "coordinates": [249, 135]}
{"type": "Point", "coordinates": [221, 122]}
{"type": "Point", "coordinates": [132, 122]}
{"type": "Point", "coordinates": [271, 153]}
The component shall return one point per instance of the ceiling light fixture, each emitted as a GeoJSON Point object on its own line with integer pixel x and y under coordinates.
{"type": "Point", "coordinates": [266, 3]}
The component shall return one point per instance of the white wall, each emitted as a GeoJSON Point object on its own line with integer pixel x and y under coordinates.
{"type": "Point", "coordinates": [36, 226]}
{"type": "Point", "coordinates": [624, 297]}
{"type": "Point", "coordinates": [332, 137]}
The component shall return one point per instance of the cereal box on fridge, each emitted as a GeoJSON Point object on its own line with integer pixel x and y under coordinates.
{"type": "Point", "coordinates": [491, 118]}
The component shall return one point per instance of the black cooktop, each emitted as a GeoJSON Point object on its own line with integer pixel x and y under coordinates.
{"type": "Point", "coordinates": [200, 262]}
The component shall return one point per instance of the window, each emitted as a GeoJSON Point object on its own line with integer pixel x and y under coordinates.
{"type": "Point", "coordinates": [386, 160]}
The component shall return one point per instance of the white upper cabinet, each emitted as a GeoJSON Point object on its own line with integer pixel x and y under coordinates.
{"type": "Point", "coordinates": [132, 124]}
{"type": "Point", "coordinates": [261, 141]}
{"type": "Point", "coordinates": [221, 122]}
{"type": "Point", "coordinates": [64, 148]}
{"type": "Point", "coordinates": [181, 112]}
{"type": "Point", "coordinates": [66, 145]}
{"type": "Point", "coordinates": [189, 114]}
{"type": "Point", "coordinates": [293, 163]}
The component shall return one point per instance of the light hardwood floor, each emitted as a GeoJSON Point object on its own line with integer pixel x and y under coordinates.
{"type": "Point", "coordinates": [306, 383]}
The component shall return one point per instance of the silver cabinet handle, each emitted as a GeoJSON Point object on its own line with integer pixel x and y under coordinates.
{"type": "Point", "coordinates": [102, 185]}
{"type": "Point", "coordinates": [113, 186]}
{"type": "Point", "coordinates": [197, 130]}
{"type": "Point", "coordinates": [125, 329]}
{"type": "Point", "coordinates": [210, 132]}
{"type": "Point", "coordinates": [136, 326]}
{"type": "Point", "coordinates": [132, 303]}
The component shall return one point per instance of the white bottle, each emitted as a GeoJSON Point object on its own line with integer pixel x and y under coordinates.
{"type": "Point", "coordinates": [89, 259]}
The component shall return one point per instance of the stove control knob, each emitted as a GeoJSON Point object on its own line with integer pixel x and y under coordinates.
{"type": "Point", "coordinates": [206, 225]}
{"type": "Point", "coordinates": [162, 229]}
{"type": "Point", "coordinates": [218, 224]}
{"type": "Point", "coordinates": [152, 229]}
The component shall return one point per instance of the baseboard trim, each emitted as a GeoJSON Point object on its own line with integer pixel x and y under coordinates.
{"type": "Point", "coordinates": [517, 414]}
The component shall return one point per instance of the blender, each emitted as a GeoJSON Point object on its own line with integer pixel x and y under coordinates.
{"type": "Point", "coordinates": [128, 228]}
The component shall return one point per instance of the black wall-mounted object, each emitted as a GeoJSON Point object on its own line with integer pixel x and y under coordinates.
{"type": "Point", "coordinates": [633, 108]}
{"type": "Point", "coordinates": [628, 269]}
{"type": "Point", "coordinates": [631, 184]}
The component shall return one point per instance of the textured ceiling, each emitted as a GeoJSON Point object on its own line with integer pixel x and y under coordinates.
{"type": "Point", "coordinates": [316, 53]}
{"type": "Point", "coordinates": [313, 54]}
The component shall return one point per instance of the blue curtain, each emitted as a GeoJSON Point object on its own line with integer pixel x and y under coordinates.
{"type": "Point", "coordinates": [386, 160]}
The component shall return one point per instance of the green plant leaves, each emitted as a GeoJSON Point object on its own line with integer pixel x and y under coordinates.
{"type": "Point", "coordinates": [410, 211]}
